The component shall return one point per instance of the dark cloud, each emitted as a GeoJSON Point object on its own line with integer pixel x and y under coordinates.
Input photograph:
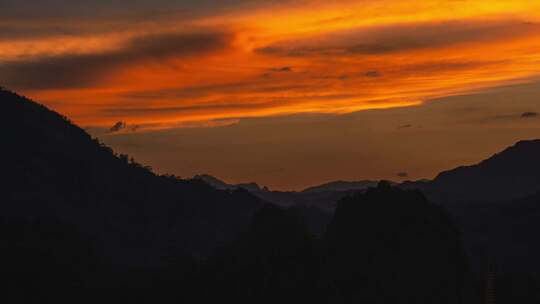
{"type": "Point", "coordinates": [42, 9]}
{"type": "Point", "coordinates": [37, 18]}
{"type": "Point", "coordinates": [282, 69]}
{"type": "Point", "coordinates": [403, 174]}
{"type": "Point", "coordinates": [119, 126]}
{"type": "Point", "coordinates": [373, 74]}
{"type": "Point", "coordinates": [81, 70]}
{"type": "Point", "coordinates": [529, 115]}
{"type": "Point", "coordinates": [512, 117]}
{"type": "Point", "coordinates": [17, 31]}
{"type": "Point", "coordinates": [405, 126]}
{"type": "Point", "coordinates": [123, 126]}
{"type": "Point", "coordinates": [398, 38]}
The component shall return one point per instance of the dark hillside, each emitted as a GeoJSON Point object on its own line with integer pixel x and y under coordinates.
{"type": "Point", "coordinates": [54, 168]}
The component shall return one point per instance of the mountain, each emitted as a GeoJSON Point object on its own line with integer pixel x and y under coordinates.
{"type": "Point", "coordinates": [55, 175]}
{"type": "Point", "coordinates": [214, 182]}
{"type": "Point", "coordinates": [322, 196]}
{"type": "Point", "coordinates": [276, 260]}
{"type": "Point", "coordinates": [219, 184]}
{"type": "Point", "coordinates": [316, 204]}
{"type": "Point", "coordinates": [388, 245]}
{"type": "Point", "coordinates": [503, 231]}
{"type": "Point", "coordinates": [342, 186]}
{"type": "Point", "coordinates": [510, 174]}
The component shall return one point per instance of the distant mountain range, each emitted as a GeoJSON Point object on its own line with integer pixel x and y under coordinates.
{"type": "Point", "coordinates": [511, 174]}
{"type": "Point", "coordinates": [495, 202]}
{"type": "Point", "coordinates": [323, 196]}
{"type": "Point", "coordinates": [343, 186]}
{"type": "Point", "coordinates": [331, 186]}
{"type": "Point", "coordinates": [221, 185]}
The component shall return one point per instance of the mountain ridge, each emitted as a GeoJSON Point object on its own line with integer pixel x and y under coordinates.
{"type": "Point", "coordinates": [56, 170]}
{"type": "Point", "coordinates": [509, 174]}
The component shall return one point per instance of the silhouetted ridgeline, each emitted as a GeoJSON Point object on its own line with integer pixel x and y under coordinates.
{"type": "Point", "coordinates": [511, 174]}
{"type": "Point", "coordinates": [54, 169]}
{"type": "Point", "coordinates": [66, 197]}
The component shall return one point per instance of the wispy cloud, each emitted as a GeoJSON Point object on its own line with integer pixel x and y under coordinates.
{"type": "Point", "coordinates": [530, 115]}
{"type": "Point", "coordinates": [83, 70]}
{"type": "Point", "coordinates": [401, 37]}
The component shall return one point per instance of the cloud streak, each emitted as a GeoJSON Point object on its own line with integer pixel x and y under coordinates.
{"type": "Point", "coordinates": [530, 115]}
{"type": "Point", "coordinates": [387, 39]}
{"type": "Point", "coordinates": [83, 70]}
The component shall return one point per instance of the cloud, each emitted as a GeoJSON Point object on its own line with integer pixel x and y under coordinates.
{"type": "Point", "coordinates": [401, 37]}
{"type": "Point", "coordinates": [529, 115]}
{"type": "Point", "coordinates": [191, 109]}
{"type": "Point", "coordinates": [403, 174]}
{"type": "Point", "coordinates": [119, 126]}
{"type": "Point", "coordinates": [123, 126]}
{"type": "Point", "coordinates": [282, 69]}
{"type": "Point", "coordinates": [405, 126]}
{"type": "Point", "coordinates": [82, 70]}
{"type": "Point", "coordinates": [505, 118]}
{"type": "Point", "coordinates": [49, 9]}
{"type": "Point", "coordinates": [372, 74]}
{"type": "Point", "coordinates": [220, 88]}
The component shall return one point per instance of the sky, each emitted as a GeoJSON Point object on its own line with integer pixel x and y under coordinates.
{"type": "Point", "coordinates": [286, 93]}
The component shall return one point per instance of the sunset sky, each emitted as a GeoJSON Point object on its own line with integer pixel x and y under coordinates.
{"type": "Point", "coordinates": [286, 93]}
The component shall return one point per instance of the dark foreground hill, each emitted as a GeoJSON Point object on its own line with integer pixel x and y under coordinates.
{"type": "Point", "coordinates": [385, 246]}
{"type": "Point", "coordinates": [503, 231]}
{"type": "Point", "coordinates": [55, 170]}
{"type": "Point", "coordinates": [70, 203]}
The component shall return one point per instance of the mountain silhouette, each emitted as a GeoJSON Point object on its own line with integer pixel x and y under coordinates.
{"type": "Point", "coordinates": [55, 175]}
{"type": "Point", "coordinates": [510, 174]}
{"type": "Point", "coordinates": [386, 245]}
{"type": "Point", "coordinates": [389, 245]}
{"type": "Point", "coordinates": [323, 197]}
{"type": "Point", "coordinates": [275, 260]}
{"type": "Point", "coordinates": [219, 184]}
{"type": "Point", "coordinates": [214, 182]}
{"type": "Point", "coordinates": [342, 186]}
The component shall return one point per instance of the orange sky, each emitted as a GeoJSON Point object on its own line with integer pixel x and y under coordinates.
{"type": "Point", "coordinates": [281, 83]}
{"type": "Point", "coordinates": [267, 59]}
